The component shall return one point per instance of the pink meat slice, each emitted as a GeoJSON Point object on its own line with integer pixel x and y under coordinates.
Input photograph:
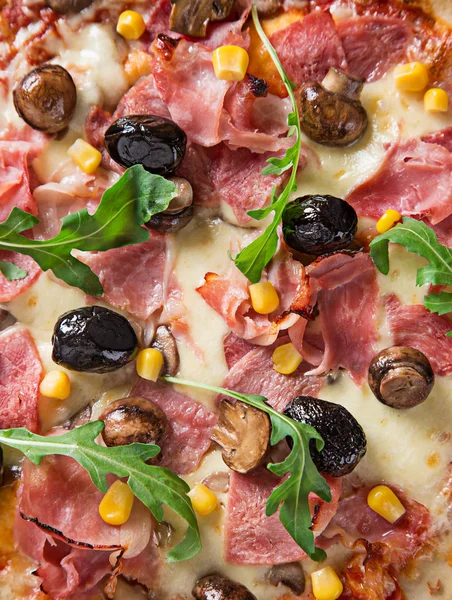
{"type": "Point", "coordinates": [20, 375]}
{"type": "Point", "coordinates": [442, 138]}
{"type": "Point", "coordinates": [15, 177]}
{"type": "Point", "coordinates": [11, 289]}
{"type": "Point", "coordinates": [133, 277]}
{"type": "Point", "coordinates": [60, 498]}
{"type": "Point", "coordinates": [308, 48]}
{"type": "Point", "coordinates": [235, 349]}
{"type": "Point", "coordinates": [413, 325]}
{"type": "Point", "coordinates": [251, 537]}
{"type": "Point", "coordinates": [190, 425]}
{"type": "Point", "coordinates": [415, 178]}
{"type": "Point", "coordinates": [373, 45]}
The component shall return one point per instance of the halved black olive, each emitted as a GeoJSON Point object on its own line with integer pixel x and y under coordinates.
{"type": "Point", "coordinates": [154, 142]}
{"type": "Point", "coordinates": [68, 6]}
{"type": "Point", "coordinates": [46, 98]}
{"type": "Point", "coordinates": [319, 224]}
{"type": "Point", "coordinates": [93, 339]}
{"type": "Point", "coordinates": [345, 441]}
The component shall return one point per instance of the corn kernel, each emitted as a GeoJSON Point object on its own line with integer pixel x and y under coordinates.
{"type": "Point", "coordinates": [203, 500]}
{"type": "Point", "coordinates": [264, 297]}
{"type": "Point", "coordinates": [130, 25]}
{"type": "Point", "coordinates": [116, 505]}
{"type": "Point", "coordinates": [436, 100]}
{"type": "Point", "coordinates": [136, 65]}
{"type": "Point", "coordinates": [56, 384]}
{"type": "Point", "coordinates": [385, 503]}
{"type": "Point", "coordinates": [388, 220]}
{"type": "Point", "coordinates": [286, 359]}
{"type": "Point", "coordinates": [149, 363]}
{"type": "Point", "coordinates": [85, 156]}
{"type": "Point", "coordinates": [411, 77]}
{"type": "Point", "coordinates": [230, 62]}
{"type": "Point", "coordinates": [326, 585]}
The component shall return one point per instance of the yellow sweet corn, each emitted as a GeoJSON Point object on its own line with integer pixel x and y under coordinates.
{"type": "Point", "coordinates": [388, 220]}
{"type": "Point", "coordinates": [286, 359]}
{"type": "Point", "coordinates": [85, 156]}
{"type": "Point", "coordinates": [436, 100]}
{"type": "Point", "coordinates": [384, 502]}
{"type": "Point", "coordinates": [326, 585]}
{"type": "Point", "coordinates": [411, 77]}
{"type": "Point", "coordinates": [230, 62]}
{"type": "Point", "coordinates": [203, 500]}
{"type": "Point", "coordinates": [149, 363]}
{"type": "Point", "coordinates": [56, 384]}
{"type": "Point", "coordinates": [116, 505]}
{"type": "Point", "coordinates": [130, 25]}
{"type": "Point", "coordinates": [264, 297]}
{"type": "Point", "coordinates": [136, 65]}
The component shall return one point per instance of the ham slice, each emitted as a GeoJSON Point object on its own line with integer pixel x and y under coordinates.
{"type": "Point", "coordinates": [442, 138]}
{"type": "Point", "coordinates": [235, 348]}
{"type": "Point", "coordinates": [20, 375]}
{"type": "Point", "coordinates": [308, 48]}
{"type": "Point", "coordinates": [415, 178]}
{"type": "Point", "coordinates": [413, 325]}
{"type": "Point", "coordinates": [373, 45]}
{"type": "Point", "coordinates": [59, 497]}
{"type": "Point", "coordinates": [190, 425]}
{"type": "Point", "coordinates": [11, 289]}
{"type": "Point", "coordinates": [251, 537]}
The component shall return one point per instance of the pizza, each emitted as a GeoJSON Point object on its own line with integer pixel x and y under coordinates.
{"type": "Point", "coordinates": [225, 270]}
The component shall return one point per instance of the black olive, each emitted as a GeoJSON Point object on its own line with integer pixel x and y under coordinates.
{"type": "Point", "coordinates": [68, 6]}
{"type": "Point", "coordinates": [319, 224]}
{"type": "Point", "coordinates": [93, 339]}
{"type": "Point", "coordinates": [154, 142]}
{"type": "Point", "coordinates": [345, 441]}
{"type": "Point", "coordinates": [46, 98]}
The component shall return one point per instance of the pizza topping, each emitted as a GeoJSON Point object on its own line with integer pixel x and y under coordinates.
{"type": "Point", "coordinates": [203, 500]}
{"type": "Point", "coordinates": [219, 587]}
{"type": "Point", "coordinates": [56, 384]}
{"type": "Point", "coordinates": [164, 342]}
{"type": "Point", "coordinates": [264, 297]}
{"type": "Point", "coordinates": [286, 359]}
{"type": "Point", "coordinates": [388, 220]}
{"type": "Point", "coordinates": [384, 502]}
{"type": "Point", "coordinates": [326, 585]}
{"type": "Point", "coordinates": [116, 506]}
{"type": "Point", "coordinates": [154, 142]}
{"type": "Point", "coordinates": [93, 339]}
{"type": "Point", "coordinates": [244, 434]}
{"type": "Point", "coordinates": [331, 113]}
{"type": "Point", "coordinates": [411, 77]}
{"type": "Point", "coordinates": [344, 438]}
{"type": "Point", "coordinates": [46, 98]}
{"type": "Point", "coordinates": [319, 224]}
{"type": "Point", "coordinates": [86, 157]}
{"type": "Point", "coordinates": [192, 18]}
{"type": "Point", "coordinates": [230, 62]}
{"type": "Point", "coordinates": [179, 212]}
{"type": "Point", "coordinates": [436, 100]}
{"type": "Point", "coordinates": [131, 25]}
{"type": "Point", "coordinates": [149, 364]}
{"type": "Point", "coordinates": [401, 377]}
{"type": "Point", "coordinates": [133, 420]}
{"type": "Point", "coordinates": [289, 574]}
{"type": "Point", "coordinates": [68, 6]}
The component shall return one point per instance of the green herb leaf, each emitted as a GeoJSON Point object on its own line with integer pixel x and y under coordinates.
{"type": "Point", "coordinates": [11, 272]}
{"type": "Point", "coordinates": [117, 222]}
{"type": "Point", "coordinates": [417, 237]}
{"type": "Point", "coordinates": [151, 484]}
{"type": "Point", "coordinates": [252, 260]}
{"type": "Point", "coordinates": [292, 494]}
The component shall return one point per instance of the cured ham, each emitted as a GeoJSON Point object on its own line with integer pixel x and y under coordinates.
{"type": "Point", "coordinates": [373, 45]}
{"type": "Point", "coordinates": [415, 178]}
{"type": "Point", "coordinates": [15, 178]}
{"type": "Point", "coordinates": [190, 425]}
{"type": "Point", "coordinates": [252, 538]}
{"type": "Point", "coordinates": [413, 325]}
{"type": "Point", "coordinates": [10, 289]}
{"type": "Point", "coordinates": [20, 375]}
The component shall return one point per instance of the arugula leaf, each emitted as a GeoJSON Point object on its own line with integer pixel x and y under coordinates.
{"type": "Point", "coordinates": [117, 222]}
{"type": "Point", "coordinates": [292, 494]}
{"type": "Point", "coordinates": [417, 237]}
{"type": "Point", "coordinates": [252, 260]}
{"type": "Point", "coordinates": [151, 484]}
{"type": "Point", "coordinates": [11, 272]}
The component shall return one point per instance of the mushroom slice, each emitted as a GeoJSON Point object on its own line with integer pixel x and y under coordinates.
{"type": "Point", "coordinates": [401, 377]}
{"type": "Point", "coordinates": [331, 112]}
{"type": "Point", "coordinates": [219, 587]}
{"type": "Point", "coordinates": [164, 342]}
{"type": "Point", "coordinates": [131, 420]}
{"type": "Point", "coordinates": [289, 574]}
{"type": "Point", "coordinates": [191, 17]}
{"type": "Point", "coordinates": [244, 434]}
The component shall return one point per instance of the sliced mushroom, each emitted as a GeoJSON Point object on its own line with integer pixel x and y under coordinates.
{"type": "Point", "coordinates": [331, 112]}
{"type": "Point", "coordinates": [244, 434]}
{"type": "Point", "coordinates": [217, 482]}
{"type": "Point", "coordinates": [401, 377]}
{"type": "Point", "coordinates": [219, 587]}
{"type": "Point", "coordinates": [289, 574]}
{"type": "Point", "coordinates": [267, 8]}
{"type": "Point", "coordinates": [68, 6]}
{"type": "Point", "coordinates": [165, 342]}
{"type": "Point", "coordinates": [191, 17]}
{"type": "Point", "coordinates": [179, 212]}
{"type": "Point", "coordinates": [164, 532]}
{"type": "Point", "coordinates": [130, 420]}
{"type": "Point", "coordinates": [46, 98]}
